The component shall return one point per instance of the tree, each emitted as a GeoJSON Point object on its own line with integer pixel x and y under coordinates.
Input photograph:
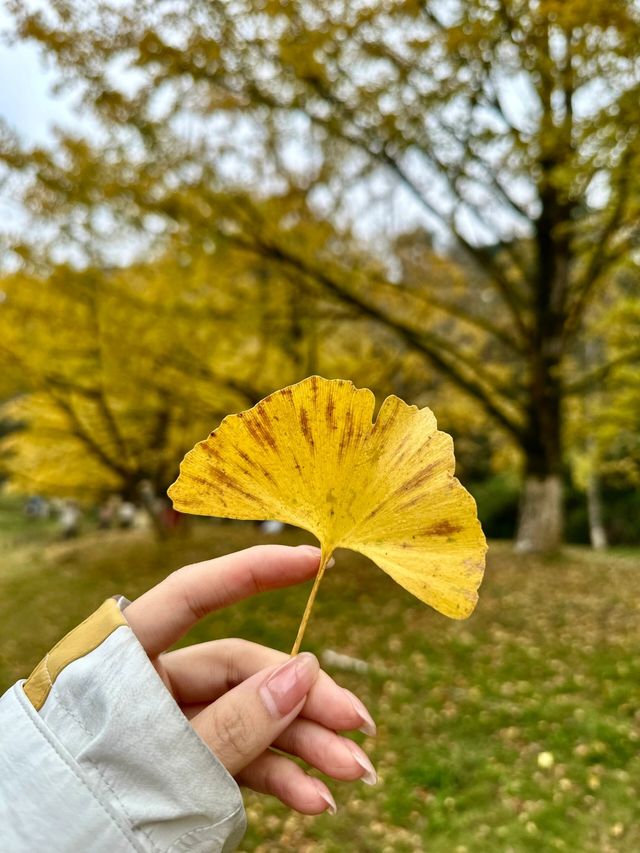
{"type": "Point", "coordinates": [505, 127]}
{"type": "Point", "coordinates": [102, 401]}
{"type": "Point", "coordinates": [604, 423]}
{"type": "Point", "coordinates": [112, 375]}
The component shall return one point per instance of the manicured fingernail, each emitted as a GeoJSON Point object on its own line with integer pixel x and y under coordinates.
{"type": "Point", "coordinates": [326, 796]}
{"type": "Point", "coordinates": [368, 727]}
{"type": "Point", "coordinates": [289, 684]}
{"type": "Point", "coordinates": [312, 549]}
{"type": "Point", "coordinates": [369, 775]}
{"type": "Point", "coordinates": [317, 552]}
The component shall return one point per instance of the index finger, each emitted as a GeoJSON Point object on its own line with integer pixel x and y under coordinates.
{"type": "Point", "coordinates": [166, 612]}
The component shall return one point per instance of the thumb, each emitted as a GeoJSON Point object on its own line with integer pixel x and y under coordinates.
{"type": "Point", "coordinates": [240, 725]}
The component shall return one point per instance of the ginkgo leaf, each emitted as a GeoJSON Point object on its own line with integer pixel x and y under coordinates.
{"type": "Point", "coordinates": [309, 455]}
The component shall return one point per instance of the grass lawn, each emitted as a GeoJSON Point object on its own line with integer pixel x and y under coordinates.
{"type": "Point", "coordinates": [516, 730]}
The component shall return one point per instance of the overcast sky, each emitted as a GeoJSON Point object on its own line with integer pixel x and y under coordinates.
{"type": "Point", "coordinates": [25, 101]}
{"type": "Point", "coordinates": [30, 108]}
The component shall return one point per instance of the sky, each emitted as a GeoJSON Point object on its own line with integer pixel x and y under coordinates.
{"type": "Point", "coordinates": [30, 108]}
{"type": "Point", "coordinates": [26, 103]}
{"type": "Point", "coordinates": [26, 106]}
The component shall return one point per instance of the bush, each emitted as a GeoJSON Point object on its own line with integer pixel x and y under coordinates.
{"type": "Point", "coordinates": [498, 498]}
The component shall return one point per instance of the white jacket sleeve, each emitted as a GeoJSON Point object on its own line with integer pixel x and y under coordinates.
{"type": "Point", "coordinates": [95, 755]}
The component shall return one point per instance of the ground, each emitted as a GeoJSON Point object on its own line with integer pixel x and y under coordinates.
{"type": "Point", "coordinates": [516, 730]}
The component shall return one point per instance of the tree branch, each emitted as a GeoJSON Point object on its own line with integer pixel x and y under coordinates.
{"type": "Point", "coordinates": [88, 440]}
{"type": "Point", "coordinates": [595, 377]}
{"type": "Point", "coordinates": [417, 341]}
{"type": "Point", "coordinates": [381, 153]}
{"type": "Point", "coordinates": [600, 258]}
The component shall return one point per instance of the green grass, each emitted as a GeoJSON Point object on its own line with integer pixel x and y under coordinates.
{"type": "Point", "coordinates": [16, 529]}
{"type": "Point", "coordinates": [548, 663]}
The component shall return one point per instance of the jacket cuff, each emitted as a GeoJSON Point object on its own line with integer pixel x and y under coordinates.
{"type": "Point", "coordinates": [111, 711]}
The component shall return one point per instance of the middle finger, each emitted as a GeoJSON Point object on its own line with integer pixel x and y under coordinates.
{"type": "Point", "coordinates": [202, 673]}
{"type": "Point", "coordinates": [320, 748]}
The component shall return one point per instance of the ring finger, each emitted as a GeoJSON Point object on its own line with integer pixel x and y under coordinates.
{"type": "Point", "coordinates": [277, 775]}
{"type": "Point", "coordinates": [328, 752]}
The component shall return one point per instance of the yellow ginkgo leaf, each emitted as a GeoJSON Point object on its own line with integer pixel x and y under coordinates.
{"type": "Point", "coordinates": [310, 455]}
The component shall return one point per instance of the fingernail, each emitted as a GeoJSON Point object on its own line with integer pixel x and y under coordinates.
{"type": "Point", "coordinates": [317, 552]}
{"type": "Point", "coordinates": [368, 727]}
{"type": "Point", "coordinates": [289, 684]}
{"type": "Point", "coordinates": [369, 775]}
{"type": "Point", "coordinates": [312, 549]}
{"type": "Point", "coordinates": [326, 796]}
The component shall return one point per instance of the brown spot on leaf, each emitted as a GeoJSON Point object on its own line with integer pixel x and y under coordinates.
{"type": "Point", "coordinates": [443, 528]}
{"type": "Point", "coordinates": [418, 479]}
{"type": "Point", "coordinates": [197, 478]}
{"type": "Point", "coordinates": [230, 483]}
{"type": "Point", "coordinates": [260, 434]}
{"type": "Point", "coordinates": [210, 450]}
{"type": "Point", "coordinates": [306, 428]}
{"type": "Point", "coordinates": [406, 451]}
{"type": "Point", "coordinates": [414, 500]}
{"type": "Point", "coordinates": [263, 415]}
{"type": "Point", "coordinates": [270, 439]}
{"type": "Point", "coordinates": [330, 412]}
{"type": "Point", "coordinates": [347, 434]}
{"type": "Point", "coordinates": [222, 477]}
{"type": "Point", "coordinates": [373, 513]}
{"type": "Point", "coordinates": [402, 448]}
{"type": "Point", "coordinates": [255, 433]}
{"type": "Point", "coordinates": [265, 473]}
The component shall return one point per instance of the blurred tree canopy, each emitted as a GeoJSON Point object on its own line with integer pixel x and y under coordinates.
{"type": "Point", "coordinates": [455, 183]}
{"type": "Point", "coordinates": [121, 371]}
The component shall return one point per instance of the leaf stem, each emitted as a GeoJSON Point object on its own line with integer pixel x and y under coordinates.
{"type": "Point", "coordinates": [312, 597]}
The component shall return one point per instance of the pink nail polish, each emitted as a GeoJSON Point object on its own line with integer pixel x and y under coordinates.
{"type": "Point", "coordinates": [368, 726]}
{"type": "Point", "coordinates": [311, 549]}
{"type": "Point", "coordinates": [289, 684]}
{"type": "Point", "coordinates": [316, 552]}
{"type": "Point", "coordinates": [369, 775]}
{"type": "Point", "coordinates": [326, 796]}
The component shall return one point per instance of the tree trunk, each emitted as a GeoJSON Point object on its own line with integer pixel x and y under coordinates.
{"type": "Point", "coordinates": [597, 530]}
{"type": "Point", "coordinates": [540, 521]}
{"type": "Point", "coordinates": [154, 507]}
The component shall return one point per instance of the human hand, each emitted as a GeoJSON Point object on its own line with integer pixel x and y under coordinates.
{"type": "Point", "coordinates": [242, 698]}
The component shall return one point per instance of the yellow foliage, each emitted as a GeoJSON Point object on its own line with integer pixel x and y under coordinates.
{"type": "Point", "coordinates": [310, 455]}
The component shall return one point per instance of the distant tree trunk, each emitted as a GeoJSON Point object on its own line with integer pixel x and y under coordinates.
{"type": "Point", "coordinates": [540, 521]}
{"type": "Point", "coordinates": [154, 507]}
{"type": "Point", "coordinates": [541, 517]}
{"type": "Point", "coordinates": [597, 531]}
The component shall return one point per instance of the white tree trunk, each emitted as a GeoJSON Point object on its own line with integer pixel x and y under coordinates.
{"type": "Point", "coordinates": [540, 519]}
{"type": "Point", "coordinates": [597, 530]}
